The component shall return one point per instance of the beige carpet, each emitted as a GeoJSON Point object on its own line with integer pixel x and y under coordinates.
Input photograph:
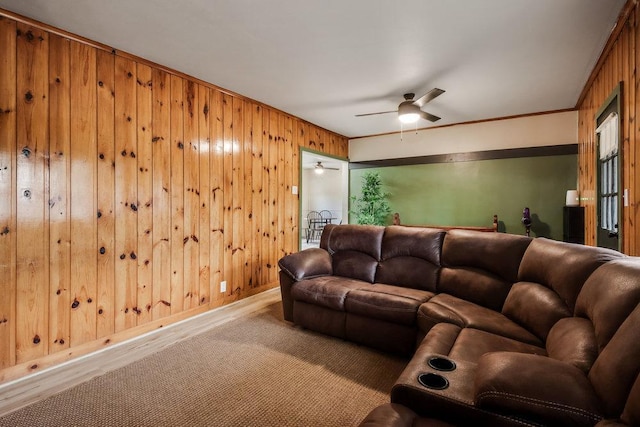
{"type": "Point", "coordinates": [257, 371]}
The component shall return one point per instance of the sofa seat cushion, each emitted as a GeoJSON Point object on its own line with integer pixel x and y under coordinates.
{"type": "Point", "coordinates": [379, 334]}
{"type": "Point", "coordinates": [387, 302]}
{"type": "Point", "coordinates": [471, 344]}
{"type": "Point", "coordinates": [468, 344]}
{"type": "Point", "coordinates": [465, 314]}
{"type": "Point", "coordinates": [326, 291]}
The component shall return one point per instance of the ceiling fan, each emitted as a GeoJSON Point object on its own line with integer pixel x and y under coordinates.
{"type": "Point", "coordinates": [410, 111]}
{"type": "Point", "coordinates": [320, 168]}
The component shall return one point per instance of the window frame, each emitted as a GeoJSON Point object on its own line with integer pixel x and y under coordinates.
{"type": "Point", "coordinates": [609, 166]}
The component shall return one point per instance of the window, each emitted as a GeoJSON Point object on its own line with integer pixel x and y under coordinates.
{"type": "Point", "coordinates": [608, 160]}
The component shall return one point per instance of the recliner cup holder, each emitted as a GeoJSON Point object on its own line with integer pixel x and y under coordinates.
{"type": "Point", "coordinates": [433, 381]}
{"type": "Point", "coordinates": [441, 364]}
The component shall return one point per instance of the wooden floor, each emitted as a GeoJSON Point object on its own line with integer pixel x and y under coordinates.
{"type": "Point", "coordinates": [24, 391]}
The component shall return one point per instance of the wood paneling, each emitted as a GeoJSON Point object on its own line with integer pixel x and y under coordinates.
{"type": "Point", "coordinates": [161, 141]}
{"type": "Point", "coordinates": [204, 204]}
{"type": "Point", "coordinates": [191, 195]}
{"type": "Point", "coordinates": [8, 101]}
{"type": "Point", "coordinates": [247, 202]}
{"type": "Point", "coordinates": [106, 194]}
{"type": "Point", "coordinates": [126, 206]}
{"type": "Point", "coordinates": [256, 194]}
{"type": "Point", "coordinates": [618, 64]}
{"type": "Point", "coordinates": [281, 193]}
{"type": "Point", "coordinates": [266, 210]}
{"type": "Point", "coordinates": [144, 199]}
{"type": "Point", "coordinates": [84, 245]}
{"type": "Point", "coordinates": [59, 192]}
{"type": "Point", "coordinates": [216, 204]}
{"type": "Point", "coordinates": [274, 219]}
{"type": "Point", "coordinates": [32, 265]}
{"type": "Point", "coordinates": [130, 193]}
{"type": "Point", "coordinates": [227, 183]}
{"type": "Point", "coordinates": [290, 205]}
{"type": "Point", "coordinates": [237, 199]}
{"type": "Point", "coordinates": [177, 195]}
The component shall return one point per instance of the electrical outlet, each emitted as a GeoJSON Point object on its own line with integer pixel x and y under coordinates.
{"type": "Point", "coordinates": [223, 286]}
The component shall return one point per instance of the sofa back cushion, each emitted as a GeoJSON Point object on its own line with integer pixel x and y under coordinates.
{"type": "Point", "coordinates": [481, 267]}
{"type": "Point", "coordinates": [562, 267]}
{"type": "Point", "coordinates": [609, 296]}
{"type": "Point", "coordinates": [410, 257]}
{"type": "Point", "coordinates": [354, 249]}
{"type": "Point", "coordinates": [551, 275]}
{"type": "Point", "coordinates": [615, 370]}
{"type": "Point", "coordinates": [610, 301]}
{"type": "Point", "coordinates": [535, 307]}
{"type": "Point", "coordinates": [573, 340]}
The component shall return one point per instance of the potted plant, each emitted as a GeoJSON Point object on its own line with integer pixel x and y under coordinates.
{"type": "Point", "coordinates": [372, 207]}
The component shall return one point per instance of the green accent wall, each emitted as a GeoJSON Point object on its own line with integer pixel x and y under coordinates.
{"type": "Point", "coordinates": [470, 193]}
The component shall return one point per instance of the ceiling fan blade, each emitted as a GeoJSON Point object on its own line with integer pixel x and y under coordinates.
{"type": "Point", "coordinates": [428, 116]}
{"type": "Point", "coordinates": [319, 165]}
{"type": "Point", "coordinates": [373, 114]}
{"type": "Point", "coordinates": [433, 93]}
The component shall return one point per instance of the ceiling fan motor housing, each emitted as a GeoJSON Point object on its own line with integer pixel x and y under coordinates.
{"type": "Point", "coordinates": [408, 107]}
{"type": "Point", "coordinates": [408, 112]}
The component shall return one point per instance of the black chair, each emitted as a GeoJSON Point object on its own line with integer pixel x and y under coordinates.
{"type": "Point", "coordinates": [326, 217]}
{"type": "Point", "coordinates": [315, 224]}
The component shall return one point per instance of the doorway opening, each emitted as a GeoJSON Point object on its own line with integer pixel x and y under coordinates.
{"type": "Point", "coordinates": [324, 194]}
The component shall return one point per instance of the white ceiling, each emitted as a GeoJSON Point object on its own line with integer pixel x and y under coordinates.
{"type": "Point", "coordinates": [327, 60]}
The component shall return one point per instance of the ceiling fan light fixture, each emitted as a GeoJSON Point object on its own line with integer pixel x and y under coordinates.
{"type": "Point", "coordinates": [319, 169]}
{"type": "Point", "coordinates": [409, 117]}
{"type": "Point", "coordinates": [408, 112]}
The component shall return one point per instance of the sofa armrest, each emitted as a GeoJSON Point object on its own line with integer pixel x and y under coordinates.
{"type": "Point", "coordinates": [535, 388]}
{"type": "Point", "coordinates": [313, 262]}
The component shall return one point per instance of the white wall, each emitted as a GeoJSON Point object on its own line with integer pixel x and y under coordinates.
{"type": "Point", "coordinates": [522, 132]}
{"type": "Point", "coordinates": [322, 192]}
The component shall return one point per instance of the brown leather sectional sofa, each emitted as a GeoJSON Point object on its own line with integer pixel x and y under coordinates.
{"type": "Point", "coordinates": [503, 330]}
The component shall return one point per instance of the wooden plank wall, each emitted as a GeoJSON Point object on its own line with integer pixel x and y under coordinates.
{"type": "Point", "coordinates": [129, 192]}
{"type": "Point", "coordinates": [618, 64]}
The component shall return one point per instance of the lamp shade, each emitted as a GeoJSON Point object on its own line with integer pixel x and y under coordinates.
{"type": "Point", "coordinates": [572, 198]}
